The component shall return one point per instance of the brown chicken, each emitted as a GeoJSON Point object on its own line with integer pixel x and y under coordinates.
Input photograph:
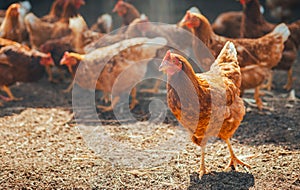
{"type": "Point", "coordinates": [13, 27]}
{"type": "Point", "coordinates": [18, 63]}
{"type": "Point", "coordinates": [127, 11]}
{"type": "Point", "coordinates": [40, 31]}
{"type": "Point", "coordinates": [55, 11]}
{"type": "Point", "coordinates": [265, 51]}
{"type": "Point", "coordinates": [254, 25]}
{"type": "Point", "coordinates": [129, 57]}
{"type": "Point", "coordinates": [207, 104]}
{"type": "Point", "coordinates": [228, 24]}
{"type": "Point", "coordinates": [79, 37]}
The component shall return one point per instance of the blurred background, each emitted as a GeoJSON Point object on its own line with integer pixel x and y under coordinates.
{"type": "Point", "coordinates": [166, 11]}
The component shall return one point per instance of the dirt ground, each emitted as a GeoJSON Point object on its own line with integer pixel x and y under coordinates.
{"type": "Point", "coordinates": [41, 148]}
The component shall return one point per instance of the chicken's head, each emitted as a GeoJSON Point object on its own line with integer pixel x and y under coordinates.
{"type": "Point", "coordinates": [78, 3]}
{"type": "Point", "coordinates": [244, 2]}
{"type": "Point", "coordinates": [120, 8]}
{"type": "Point", "coordinates": [172, 63]}
{"type": "Point", "coordinates": [47, 60]}
{"type": "Point", "coordinates": [13, 10]}
{"type": "Point", "coordinates": [190, 20]}
{"type": "Point", "coordinates": [69, 59]}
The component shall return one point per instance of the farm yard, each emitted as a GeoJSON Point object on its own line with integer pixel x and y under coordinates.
{"type": "Point", "coordinates": [45, 145]}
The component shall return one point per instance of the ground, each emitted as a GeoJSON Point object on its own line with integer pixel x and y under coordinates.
{"type": "Point", "coordinates": [41, 147]}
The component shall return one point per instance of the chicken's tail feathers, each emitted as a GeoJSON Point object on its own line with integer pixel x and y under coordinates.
{"type": "Point", "coordinates": [283, 30]}
{"type": "Point", "coordinates": [77, 24]}
{"type": "Point", "coordinates": [227, 64]}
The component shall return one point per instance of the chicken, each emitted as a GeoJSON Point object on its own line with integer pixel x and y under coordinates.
{"type": "Point", "coordinates": [127, 57]}
{"type": "Point", "coordinates": [75, 41]}
{"type": "Point", "coordinates": [40, 31]}
{"type": "Point", "coordinates": [103, 24]}
{"type": "Point", "coordinates": [127, 11]}
{"type": "Point", "coordinates": [264, 51]}
{"type": "Point", "coordinates": [13, 27]}
{"type": "Point", "coordinates": [283, 10]}
{"type": "Point", "coordinates": [55, 11]}
{"type": "Point", "coordinates": [228, 24]}
{"type": "Point", "coordinates": [18, 63]}
{"type": "Point", "coordinates": [254, 25]}
{"type": "Point", "coordinates": [207, 104]}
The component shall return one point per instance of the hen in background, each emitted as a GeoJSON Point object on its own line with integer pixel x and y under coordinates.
{"type": "Point", "coordinates": [40, 31]}
{"type": "Point", "coordinates": [128, 57]}
{"type": "Point", "coordinates": [55, 12]}
{"type": "Point", "coordinates": [265, 51]}
{"type": "Point", "coordinates": [18, 63]}
{"type": "Point", "coordinates": [13, 27]}
{"type": "Point", "coordinates": [207, 104]}
{"type": "Point", "coordinates": [254, 25]}
{"type": "Point", "coordinates": [284, 11]}
{"type": "Point", "coordinates": [228, 24]}
{"type": "Point", "coordinates": [79, 37]}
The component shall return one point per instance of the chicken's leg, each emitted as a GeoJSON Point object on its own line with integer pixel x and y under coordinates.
{"type": "Point", "coordinates": [269, 83]}
{"type": "Point", "coordinates": [234, 161]}
{"type": "Point", "coordinates": [10, 97]}
{"type": "Point", "coordinates": [257, 98]}
{"type": "Point", "coordinates": [202, 166]}
{"type": "Point", "coordinates": [105, 97]}
{"type": "Point", "coordinates": [290, 80]}
{"type": "Point", "coordinates": [50, 74]}
{"type": "Point", "coordinates": [69, 88]}
{"type": "Point", "coordinates": [112, 105]}
{"type": "Point", "coordinates": [134, 101]}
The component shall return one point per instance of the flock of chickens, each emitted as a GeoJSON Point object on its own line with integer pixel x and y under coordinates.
{"type": "Point", "coordinates": [245, 45]}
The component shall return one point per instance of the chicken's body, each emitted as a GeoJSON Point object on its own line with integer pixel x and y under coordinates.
{"type": "Point", "coordinates": [254, 25]}
{"type": "Point", "coordinates": [228, 24]}
{"type": "Point", "coordinates": [13, 27]}
{"type": "Point", "coordinates": [207, 104]}
{"type": "Point", "coordinates": [112, 61]}
{"type": "Point", "coordinates": [265, 51]}
{"type": "Point", "coordinates": [18, 63]}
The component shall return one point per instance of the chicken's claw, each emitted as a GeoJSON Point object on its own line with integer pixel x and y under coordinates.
{"type": "Point", "coordinates": [234, 161]}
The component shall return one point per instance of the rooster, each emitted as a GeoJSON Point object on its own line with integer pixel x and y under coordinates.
{"type": "Point", "coordinates": [265, 51]}
{"type": "Point", "coordinates": [196, 100]}
{"type": "Point", "coordinates": [112, 60]}
{"type": "Point", "coordinates": [254, 25]}
{"type": "Point", "coordinates": [18, 63]}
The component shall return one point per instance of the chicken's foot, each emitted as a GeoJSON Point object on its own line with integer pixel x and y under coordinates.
{"type": "Point", "coordinates": [10, 97]}
{"type": "Point", "coordinates": [153, 90]}
{"type": "Point", "coordinates": [234, 161]}
{"type": "Point", "coordinates": [290, 80]}
{"type": "Point", "coordinates": [112, 105]}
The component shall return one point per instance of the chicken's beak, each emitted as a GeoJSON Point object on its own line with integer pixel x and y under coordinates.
{"type": "Point", "coordinates": [164, 66]}
{"type": "Point", "coordinates": [165, 62]}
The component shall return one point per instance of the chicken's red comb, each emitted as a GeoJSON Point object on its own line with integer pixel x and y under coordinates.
{"type": "Point", "coordinates": [119, 3]}
{"type": "Point", "coordinates": [243, 2]}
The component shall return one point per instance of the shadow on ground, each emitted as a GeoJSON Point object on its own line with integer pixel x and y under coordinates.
{"type": "Point", "coordinates": [222, 180]}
